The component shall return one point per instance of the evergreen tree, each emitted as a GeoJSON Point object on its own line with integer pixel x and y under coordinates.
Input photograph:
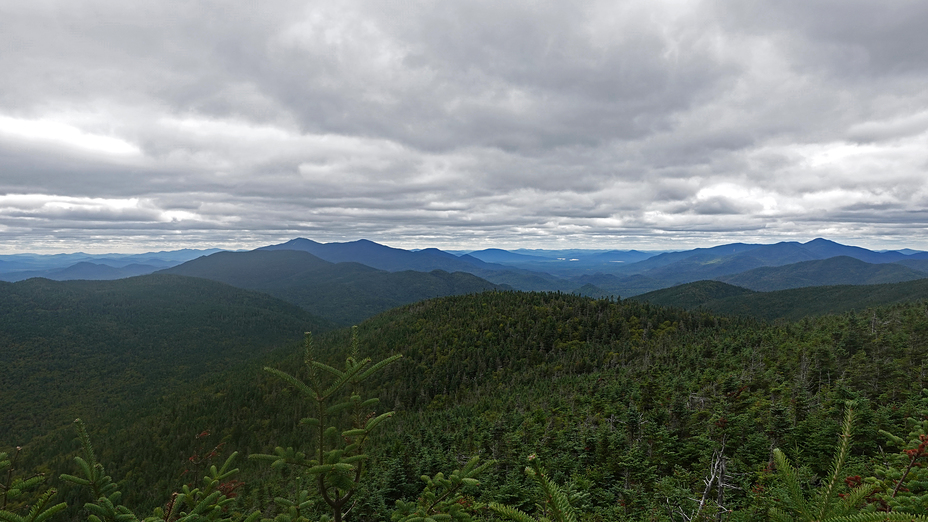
{"type": "Point", "coordinates": [826, 504]}
{"type": "Point", "coordinates": [337, 460]}
{"type": "Point", "coordinates": [211, 503]}
{"type": "Point", "coordinates": [14, 489]}
{"type": "Point", "coordinates": [443, 498]}
{"type": "Point", "coordinates": [555, 506]}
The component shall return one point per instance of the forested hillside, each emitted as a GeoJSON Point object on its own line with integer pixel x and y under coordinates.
{"type": "Point", "coordinates": [794, 304]}
{"type": "Point", "coordinates": [81, 348]}
{"type": "Point", "coordinates": [629, 405]}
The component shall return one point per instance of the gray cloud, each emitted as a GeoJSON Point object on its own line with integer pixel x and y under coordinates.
{"type": "Point", "coordinates": [639, 124]}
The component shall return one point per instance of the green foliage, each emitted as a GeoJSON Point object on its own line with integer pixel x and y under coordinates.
{"type": "Point", "coordinates": [212, 502]}
{"type": "Point", "coordinates": [443, 497]}
{"type": "Point", "coordinates": [19, 494]}
{"type": "Point", "coordinates": [207, 503]}
{"type": "Point", "coordinates": [131, 339]}
{"type": "Point", "coordinates": [337, 461]}
{"type": "Point", "coordinates": [628, 404]}
{"type": "Point", "coordinates": [825, 504]}
{"type": "Point", "coordinates": [105, 493]}
{"type": "Point", "coordinates": [555, 506]}
{"type": "Point", "coordinates": [900, 479]}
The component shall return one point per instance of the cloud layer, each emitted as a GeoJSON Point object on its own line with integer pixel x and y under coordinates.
{"type": "Point", "coordinates": [638, 124]}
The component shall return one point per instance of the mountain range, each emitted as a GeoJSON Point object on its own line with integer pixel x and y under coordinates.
{"type": "Point", "coordinates": [343, 292]}
{"type": "Point", "coordinates": [350, 281]}
{"type": "Point", "coordinates": [63, 267]}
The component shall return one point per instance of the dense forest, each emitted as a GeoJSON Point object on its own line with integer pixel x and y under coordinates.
{"type": "Point", "coordinates": [84, 347]}
{"type": "Point", "coordinates": [628, 410]}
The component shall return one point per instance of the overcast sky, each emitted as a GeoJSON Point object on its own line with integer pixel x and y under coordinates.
{"type": "Point", "coordinates": [150, 125]}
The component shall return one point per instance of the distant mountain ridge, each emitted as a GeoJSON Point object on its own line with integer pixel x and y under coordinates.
{"type": "Point", "coordinates": [345, 292]}
{"type": "Point", "coordinates": [62, 267]}
{"type": "Point", "coordinates": [588, 272]}
{"type": "Point", "coordinates": [392, 259]}
{"type": "Point", "coordinates": [83, 270]}
{"type": "Point", "coordinates": [840, 270]}
{"type": "Point", "coordinates": [382, 257]}
{"type": "Point", "coordinates": [675, 268]}
{"type": "Point", "coordinates": [725, 299]}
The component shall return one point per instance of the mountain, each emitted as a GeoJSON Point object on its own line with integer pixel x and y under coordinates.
{"type": "Point", "coordinates": [82, 270]}
{"type": "Point", "coordinates": [382, 257]}
{"type": "Point", "coordinates": [345, 292]}
{"type": "Point", "coordinates": [823, 249]}
{"type": "Point", "coordinates": [625, 273]}
{"type": "Point", "coordinates": [624, 286]}
{"type": "Point", "coordinates": [496, 255]}
{"type": "Point", "coordinates": [793, 304]}
{"type": "Point", "coordinates": [914, 263]}
{"type": "Point", "coordinates": [693, 295]}
{"type": "Point", "coordinates": [725, 260]}
{"type": "Point", "coordinates": [669, 258]}
{"type": "Point", "coordinates": [76, 348]}
{"type": "Point", "coordinates": [907, 251]}
{"type": "Point", "coordinates": [18, 267]}
{"type": "Point", "coordinates": [560, 264]}
{"type": "Point", "coordinates": [841, 270]}
{"type": "Point", "coordinates": [561, 257]}
{"type": "Point", "coordinates": [395, 259]}
{"type": "Point", "coordinates": [617, 256]}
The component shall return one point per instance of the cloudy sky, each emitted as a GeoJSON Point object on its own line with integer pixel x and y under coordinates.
{"type": "Point", "coordinates": [150, 125]}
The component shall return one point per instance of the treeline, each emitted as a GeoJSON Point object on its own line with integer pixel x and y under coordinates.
{"type": "Point", "coordinates": [630, 406]}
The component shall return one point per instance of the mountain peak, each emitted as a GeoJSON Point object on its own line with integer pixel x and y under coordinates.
{"type": "Point", "coordinates": [822, 242]}
{"type": "Point", "coordinates": [300, 241]}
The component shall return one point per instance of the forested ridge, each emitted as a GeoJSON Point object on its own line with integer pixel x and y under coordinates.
{"type": "Point", "coordinates": [630, 406]}
{"type": "Point", "coordinates": [74, 348]}
{"type": "Point", "coordinates": [794, 304]}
